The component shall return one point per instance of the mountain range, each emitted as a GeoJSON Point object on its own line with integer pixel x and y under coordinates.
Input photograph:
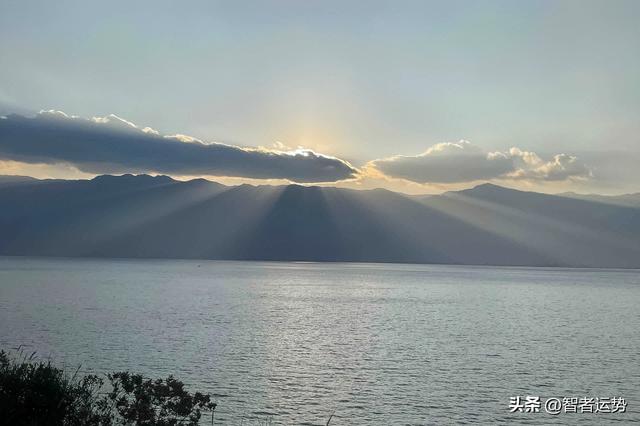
{"type": "Point", "coordinates": [158, 217]}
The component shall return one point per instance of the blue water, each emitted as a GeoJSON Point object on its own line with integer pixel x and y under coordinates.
{"type": "Point", "coordinates": [292, 343]}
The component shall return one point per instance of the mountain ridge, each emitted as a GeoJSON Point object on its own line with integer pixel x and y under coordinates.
{"type": "Point", "coordinates": [142, 216]}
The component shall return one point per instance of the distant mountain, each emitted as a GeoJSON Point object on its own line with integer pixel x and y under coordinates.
{"type": "Point", "coordinates": [158, 217]}
{"type": "Point", "coordinates": [628, 200]}
{"type": "Point", "coordinates": [12, 180]}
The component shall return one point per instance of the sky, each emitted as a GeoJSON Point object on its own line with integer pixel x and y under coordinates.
{"type": "Point", "coordinates": [417, 97]}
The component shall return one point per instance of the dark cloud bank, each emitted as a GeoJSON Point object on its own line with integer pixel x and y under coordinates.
{"type": "Point", "coordinates": [113, 145]}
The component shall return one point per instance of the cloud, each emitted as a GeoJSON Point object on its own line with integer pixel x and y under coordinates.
{"type": "Point", "coordinates": [530, 166]}
{"type": "Point", "coordinates": [114, 145]}
{"type": "Point", "coordinates": [445, 163]}
{"type": "Point", "coordinates": [464, 162]}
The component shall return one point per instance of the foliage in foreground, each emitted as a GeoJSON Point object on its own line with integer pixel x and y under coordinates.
{"type": "Point", "coordinates": [37, 393]}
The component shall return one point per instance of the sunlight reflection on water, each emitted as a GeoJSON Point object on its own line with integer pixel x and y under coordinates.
{"type": "Point", "coordinates": [374, 343]}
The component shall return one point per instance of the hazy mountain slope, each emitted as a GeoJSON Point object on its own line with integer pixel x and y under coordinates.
{"type": "Point", "coordinates": [14, 180]}
{"type": "Point", "coordinates": [143, 216]}
{"type": "Point", "coordinates": [625, 200]}
{"type": "Point", "coordinates": [571, 231]}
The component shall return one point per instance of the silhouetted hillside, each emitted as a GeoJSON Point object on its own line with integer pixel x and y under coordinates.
{"type": "Point", "coordinates": [12, 180]}
{"type": "Point", "coordinates": [158, 217]}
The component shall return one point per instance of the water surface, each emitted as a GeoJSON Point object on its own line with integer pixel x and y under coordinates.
{"type": "Point", "coordinates": [372, 343]}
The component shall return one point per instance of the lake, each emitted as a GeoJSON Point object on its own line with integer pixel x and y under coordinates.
{"type": "Point", "coordinates": [292, 343]}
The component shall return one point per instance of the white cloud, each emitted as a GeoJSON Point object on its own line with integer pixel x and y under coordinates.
{"type": "Point", "coordinates": [561, 167]}
{"type": "Point", "coordinates": [464, 162]}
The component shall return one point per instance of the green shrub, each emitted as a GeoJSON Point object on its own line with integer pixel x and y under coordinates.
{"type": "Point", "coordinates": [139, 401]}
{"type": "Point", "coordinates": [37, 393]}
